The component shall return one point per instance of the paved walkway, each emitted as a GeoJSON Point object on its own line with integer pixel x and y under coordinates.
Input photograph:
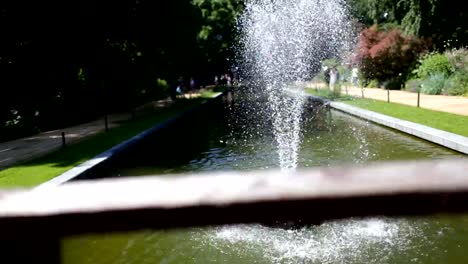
{"type": "Point", "coordinates": [450, 104]}
{"type": "Point", "coordinates": [25, 149]}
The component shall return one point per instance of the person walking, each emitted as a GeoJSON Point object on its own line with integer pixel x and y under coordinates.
{"type": "Point", "coordinates": [355, 77]}
{"type": "Point", "coordinates": [333, 78]}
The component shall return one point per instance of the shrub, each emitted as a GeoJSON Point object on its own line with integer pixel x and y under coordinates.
{"type": "Point", "coordinates": [413, 85]}
{"type": "Point", "coordinates": [345, 74]}
{"type": "Point", "coordinates": [373, 84]}
{"type": "Point", "coordinates": [329, 63]}
{"type": "Point", "coordinates": [386, 55]}
{"type": "Point", "coordinates": [458, 59]}
{"type": "Point", "coordinates": [456, 85]}
{"type": "Point", "coordinates": [445, 73]}
{"type": "Point", "coordinates": [434, 63]}
{"type": "Point", "coordinates": [393, 84]}
{"type": "Point", "coordinates": [434, 84]}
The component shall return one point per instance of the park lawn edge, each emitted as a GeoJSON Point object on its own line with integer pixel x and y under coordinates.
{"type": "Point", "coordinates": [40, 170]}
{"type": "Point", "coordinates": [457, 124]}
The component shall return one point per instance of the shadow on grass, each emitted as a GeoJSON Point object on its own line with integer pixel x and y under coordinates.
{"type": "Point", "coordinates": [43, 169]}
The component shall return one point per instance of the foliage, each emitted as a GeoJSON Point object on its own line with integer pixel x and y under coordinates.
{"type": "Point", "coordinates": [373, 84]}
{"type": "Point", "coordinates": [434, 84]}
{"type": "Point", "coordinates": [217, 34]}
{"type": "Point", "coordinates": [393, 84]}
{"type": "Point", "coordinates": [457, 85]}
{"type": "Point", "coordinates": [344, 74]}
{"type": "Point", "coordinates": [96, 57]}
{"type": "Point", "coordinates": [372, 11]}
{"type": "Point", "coordinates": [387, 55]}
{"type": "Point", "coordinates": [458, 59]}
{"type": "Point", "coordinates": [443, 21]}
{"type": "Point", "coordinates": [330, 63]}
{"type": "Point", "coordinates": [445, 73]}
{"type": "Point", "coordinates": [434, 63]}
{"type": "Point", "coordinates": [413, 85]}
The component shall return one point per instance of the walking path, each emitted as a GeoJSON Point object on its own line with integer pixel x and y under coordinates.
{"type": "Point", "coordinates": [25, 149]}
{"type": "Point", "coordinates": [451, 104]}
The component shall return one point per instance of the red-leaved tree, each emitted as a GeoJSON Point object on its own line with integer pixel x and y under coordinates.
{"type": "Point", "coordinates": [387, 55]}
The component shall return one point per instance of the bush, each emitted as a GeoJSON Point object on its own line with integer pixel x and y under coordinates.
{"type": "Point", "coordinates": [435, 84]}
{"type": "Point", "coordinates": [330, 63]}
{"type": "Point", "coordinates": [386, 55]}
{"type": "Point", "coordinates": [373, 84]}
{"type": "Point", "coordinates": [393, 84]}
{"type": "Point", "coordinates": [458, 59]}
{"type": "Point", "coordinates": [413, 85]}
{"type": "Point", "coordinates": [345, 74]}
{"type": "Point", "coordinates": [456, 85]}
{"type": "Point", "coordinates": [434, 64]}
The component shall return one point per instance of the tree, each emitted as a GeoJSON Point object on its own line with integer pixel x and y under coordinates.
{"type": "Point", "coordinates": [444, 22]}
{"type": "Point", "coordinates": [387, 55]}
{"type": "Point", "coordinates": [218, 33]}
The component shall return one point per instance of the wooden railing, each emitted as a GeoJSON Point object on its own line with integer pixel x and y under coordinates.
{"type": "Point", "coordinates": [33, 221]}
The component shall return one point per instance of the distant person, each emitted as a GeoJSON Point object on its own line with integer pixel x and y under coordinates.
{"type": "Point", "coordinates": [216, 80]}
{"type": "Point", "coordinates": [193, 84]}
{"type": "Point", "coordinates": [228, 80]}
{"type": "Point", "coordinates": [355, 77]}
{"type": "Point", "coordinates": [334, 77]}
{"type": "Point", "coordinates": [326, 75]}
{"type": "Point", "coordinates": [222, 80]}
{"type": "Point", "coordinates": [181, 87]}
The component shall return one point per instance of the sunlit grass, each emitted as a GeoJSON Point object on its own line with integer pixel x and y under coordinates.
{"type": "Point", "coordinates": [453, 123]}
{"type": "Point", "coordinates": [457, 124]}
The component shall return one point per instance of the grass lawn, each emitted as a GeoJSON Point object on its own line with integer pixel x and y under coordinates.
{"type": "Point", "coordinates": [457, 124]}
{"type": "Point", "coordinates": [43, 169]}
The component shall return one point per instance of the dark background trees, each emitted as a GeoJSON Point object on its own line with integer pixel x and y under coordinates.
{"type": "Point", "coordinates": [397, 34]}
{"type": "Point", "coordinates": [442, 21]}
{"type": "Point", "coordinates": [65, 62]}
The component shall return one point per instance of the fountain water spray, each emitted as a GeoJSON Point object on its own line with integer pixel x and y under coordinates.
{"type": "Point", "coordinates": [283, 43]}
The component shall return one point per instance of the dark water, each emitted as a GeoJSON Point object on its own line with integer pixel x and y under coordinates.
{"type": "Point", "coordinates": [221, 138]}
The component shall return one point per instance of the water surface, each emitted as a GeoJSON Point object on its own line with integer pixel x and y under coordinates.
{"type": "Point", "coordinates": [213, 140]}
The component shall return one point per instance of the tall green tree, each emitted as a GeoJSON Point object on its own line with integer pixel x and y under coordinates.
{"type": "Point", "coordinates": [444, 22]}
{"type": "Point", "coordinates": [218, 32]}
{"type": "Point", "coordinates": [73, 60]}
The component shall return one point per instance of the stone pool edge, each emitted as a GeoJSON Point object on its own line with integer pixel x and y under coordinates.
{"type": "Point", "coordinates": [89, 165]}
{"type": "Point", "coordinates": [446, 139]}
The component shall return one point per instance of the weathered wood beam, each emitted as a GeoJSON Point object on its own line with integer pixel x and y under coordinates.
{"type": "Point", "coordinates": [311, 196]}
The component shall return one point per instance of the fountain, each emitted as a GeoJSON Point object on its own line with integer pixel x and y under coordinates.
{"type": "Point", "coordinates": [282, 44]}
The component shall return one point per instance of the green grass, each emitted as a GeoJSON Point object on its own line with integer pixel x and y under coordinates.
{"type": "Point", "coordinates": [208, 93]}
{"type": "Point", "coordinates": [327, 93]}
{"type": "Point", "coordinates": [457, 124]}
{"type": "Point", "coordinates": [43, 169]}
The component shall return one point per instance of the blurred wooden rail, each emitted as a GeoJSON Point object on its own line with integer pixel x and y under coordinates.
{"type": "Point", "coordinates": [42, 216]}
{"type": "Point", "coordinates": [238, 197]}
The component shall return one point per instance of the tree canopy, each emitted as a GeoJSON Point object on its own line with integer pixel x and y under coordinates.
{"type": "Point", "coordinates": [442, 21]}
{"type": "Point", "coordinates": [82, 58]}
{"type": "Point", "coordinates": [74, 60]}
